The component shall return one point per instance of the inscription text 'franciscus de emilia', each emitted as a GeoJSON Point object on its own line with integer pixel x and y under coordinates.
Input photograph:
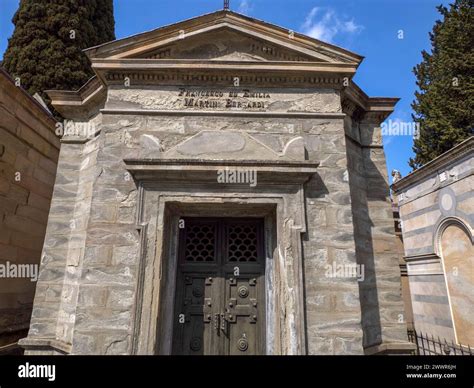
{"type": "Point", "coordinates": [220, 99]}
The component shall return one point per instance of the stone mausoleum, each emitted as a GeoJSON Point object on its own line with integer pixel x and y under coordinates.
{"type": "Point", "coordinates": [221, 189]}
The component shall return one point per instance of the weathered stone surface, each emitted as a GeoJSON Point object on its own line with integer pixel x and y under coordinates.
{"type": "Point", "coordinates": [109, 275]}
{"type": "Point", "coordinates": [436, 210]}
{"type": "Point", "coordinates": [169, 98]}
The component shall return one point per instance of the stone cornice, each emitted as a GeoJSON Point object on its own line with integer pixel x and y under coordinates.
{"type": "Point", "coordinates": [83, 102]}
{"type": "Point", "coordinates": [361, 107]}
{"type": "Point", "coordinates": [26, 113]}
{"type": "Point", "coordinates": [262, 79]}
{"type": "Point", "coordinates": [77, 97]}
{"type": "Point", "coordinates": [141, 64]}
{"type": "Point", "coordinates": [206, 72]}
{"type": "Point", "coordinates": [270, 172]}
{"type": "Point", "coordinates": [8, 84]}
{"type": "Point", "coordinates": [212, 113]}
{"type": "Point", "coordinates": [441, 162]}
{"type": "Point", "coordinates": [427, 257]}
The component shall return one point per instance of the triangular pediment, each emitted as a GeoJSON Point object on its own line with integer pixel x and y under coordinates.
{"type": "Point", "coordinates": [223, 36]}
{"type": "Point", "coordinates": [227, 44]}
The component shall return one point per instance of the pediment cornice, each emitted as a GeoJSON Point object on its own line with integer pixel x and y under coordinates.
{"type": "Point", "coordinates": [223, 73]}
{"type": "Point", "coordinates": [135, 46]}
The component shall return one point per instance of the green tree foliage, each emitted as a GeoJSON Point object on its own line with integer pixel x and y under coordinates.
{"type": "Point", "coordinates": [45, 50]}
{"type": "Point", "coordinates": [444, 104]}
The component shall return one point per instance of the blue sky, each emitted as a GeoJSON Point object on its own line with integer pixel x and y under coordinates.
{"type": "Point", "coordinates": [371, 28]}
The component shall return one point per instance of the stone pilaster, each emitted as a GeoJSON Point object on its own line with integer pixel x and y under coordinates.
{"type": "Point", "coordinates": [383, 316]}
{"type": "Point", "coordinates": [54, 314]}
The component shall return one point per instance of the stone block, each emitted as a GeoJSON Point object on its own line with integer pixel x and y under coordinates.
{"type": "Point", "coordinates": [120, 298]}
{"type": "Point", "coordinates": [100, 319]}
{"type": "Point", "coordinates": [348, 345]}
{"type": "Point", "coordinates": [119, 276]}
{"type": "Point", "coordinates": [321, 345]}
{"type": "Point", "coordinates": [92, 296]}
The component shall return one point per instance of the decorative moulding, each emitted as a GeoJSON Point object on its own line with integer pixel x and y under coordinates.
{"type": "Point", "coordinates": [273, 172]}
{"type": "Point", "coordinates": [438, 164]}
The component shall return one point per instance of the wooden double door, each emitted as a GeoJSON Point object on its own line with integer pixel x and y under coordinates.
{"type": "Point", "coordinates": [220, 288]}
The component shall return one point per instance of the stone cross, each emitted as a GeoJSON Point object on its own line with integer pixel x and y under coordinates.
{"type": "Point", "coordinates": [226, 4]}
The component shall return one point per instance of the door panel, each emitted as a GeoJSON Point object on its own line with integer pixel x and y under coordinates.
{"type": "Point", "coordinates": [220, 288]}
{"type": "Point", "coordinates": [193, 327]}
{"type": "Point", "coordinates": [242, 296]}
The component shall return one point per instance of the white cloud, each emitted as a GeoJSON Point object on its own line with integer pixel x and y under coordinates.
{"type": "Point", "coordinates": [326, 24]}
{"type": "Point", "coordinates": [309, 18]}
{"type": "Point", "coordinates": [351, 27]}
{"type": "Point", "coordinates": [244, 6]}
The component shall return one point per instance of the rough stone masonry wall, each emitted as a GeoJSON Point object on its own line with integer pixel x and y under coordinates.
{"type": "Point", "coordinates": [383, 316]}
{"type": "Point", "coordinates": [54, 312]}
{"type": "Point", "coordinates": [332, 304]}
{"type": "Point", "coordinates": [28, 155]}
{"type": "Point", "coordinates": [109, 277]}
{"type": "Point", "coordinates": [106, 297]}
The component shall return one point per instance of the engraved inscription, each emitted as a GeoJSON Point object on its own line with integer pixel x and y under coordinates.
{"type": "Point", "coordinates": [218, 99]}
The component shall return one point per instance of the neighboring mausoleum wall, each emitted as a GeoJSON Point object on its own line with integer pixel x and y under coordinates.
{"type": "Point", "coordinates": [437, 212]}
{"type": "Point", "coordinates": [29, 150]}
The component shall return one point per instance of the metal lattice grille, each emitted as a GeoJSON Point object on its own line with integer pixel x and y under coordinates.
{"type": "Point", "coordinates": [242, 243]}
{"type": "Point", "coordinates": [200, 243]}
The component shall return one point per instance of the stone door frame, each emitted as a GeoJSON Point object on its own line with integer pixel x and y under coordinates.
{"type": "Point", "coordinates": [164, 197]}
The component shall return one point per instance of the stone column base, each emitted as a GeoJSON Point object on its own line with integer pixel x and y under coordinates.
{"type": "Point", "coordinates": [44, 346]}
{"type": "Point", "coordinates": [394, 348]}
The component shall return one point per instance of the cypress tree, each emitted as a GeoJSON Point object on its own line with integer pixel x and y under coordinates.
{"type": "Point", "coordinates": [444, 103]}
{"type": "Point", "coordinates": [45, 50]}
